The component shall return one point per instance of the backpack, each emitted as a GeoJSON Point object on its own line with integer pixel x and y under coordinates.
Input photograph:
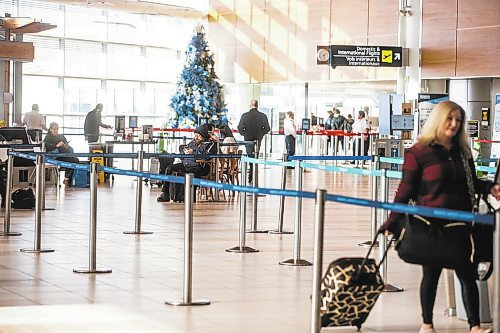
{"type": "Point", "coordinates": [23, 198]}
{"type": "Point", "coordinates": [348, 127]}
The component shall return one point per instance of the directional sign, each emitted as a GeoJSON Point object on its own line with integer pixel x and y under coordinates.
{"type": "Point", "coordinates": [371, 56]}
{"type": "Point", "coordinates": [473, 129]}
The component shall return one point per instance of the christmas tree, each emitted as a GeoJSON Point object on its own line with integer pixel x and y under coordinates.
{"type": "Point", "coordinates": [199, 95]}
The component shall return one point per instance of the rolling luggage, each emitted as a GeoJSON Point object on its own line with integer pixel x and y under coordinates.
{"type": "Point", "coordinates": [154, 168]}
{"type": "Point", "coordinates": [349, 290]}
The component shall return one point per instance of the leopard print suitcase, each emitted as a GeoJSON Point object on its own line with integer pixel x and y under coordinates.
{"type": "Point", "coordinates": [349, 292]}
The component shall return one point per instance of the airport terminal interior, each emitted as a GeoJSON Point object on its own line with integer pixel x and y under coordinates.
{"type": "Point", "coordinates": [99, 253]}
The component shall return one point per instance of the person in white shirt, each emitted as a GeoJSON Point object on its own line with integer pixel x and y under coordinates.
{"type": "Point", "coordinates": [290, 131]}
{"type": "Point", "coordinates": [34, 120]}
{"type": "Point", "coordinates": [361, 126]}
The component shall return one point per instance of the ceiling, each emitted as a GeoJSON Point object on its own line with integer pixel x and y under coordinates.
{"type": "Point", "coordinates": [153, 7]}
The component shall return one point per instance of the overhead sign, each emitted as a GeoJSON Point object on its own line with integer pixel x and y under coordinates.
{"type": "Point", "coordinates": [371, 56]}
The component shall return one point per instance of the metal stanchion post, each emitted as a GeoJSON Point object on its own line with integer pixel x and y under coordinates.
{"type": "Point", "coordinates": [496, 269]}
{"type": "Point", "coordinates": [362, 151]}
{"type": "Point", "coordinates": [319, 221]}
{"type": "Point", "coordinates": [374, 211]}
{"type": "Point", "coordinates": [255, 177]}
{"type": "Point", "coordinates": [40, 174]}
{"type": "Point", "coordinates": [242, 248]}
{"type": "Point", "coordinates": [188, 248]}
{"type": "Point", "coordinates": [282, 202]}
{"type": "Point", "coordinates": [93, 226]}
{"type": "Point", "coordinates": [449, 276]}
{"type": "Point", "coordinates": [8, 199]}
{"type": "Point", "coordinates": [138, 198]}
{"type": "Point", "coordinates": [296, 261]}
{"type": "Point", "coordinates": [384, 186]}
{"type": "Point", "coordinates": [217, 173]}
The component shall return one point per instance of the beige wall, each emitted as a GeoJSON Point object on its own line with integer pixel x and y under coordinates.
{"type": "Point", "coordinates": [275, 41]}
{"type": "Point", "coordinates": [460, 38]}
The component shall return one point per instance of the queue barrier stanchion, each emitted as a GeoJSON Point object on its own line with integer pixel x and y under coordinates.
{"type": "Point", "coordinates": [374, 211]}
{"type": "Point", "coordinates": [319, 221]}
{"type": "Point", "coordinates": [93, 227]}
{"type": "Point", "coordinates": [138, 199]}
{"type": "Point", "coordinates": [255, 177]}
{"type": "Point", "coordinates": [242, 248]}
{"type": "Point", "coordinates": [282, 201]}
{"type": "Point", "coordinates": [496, 278]}
{"type": "Point", "coordinates": [217, 174]}
{"type": "Point", "coordinates": [8, 199]}
{"type": "Point", "coordinates": [384, 186]}
{"type": "Point", "coordinates": [40, 174]}
{"type": "Point", "coordinates": [188, 248]}
{"type": "Point", "coordinates": [296, 260]}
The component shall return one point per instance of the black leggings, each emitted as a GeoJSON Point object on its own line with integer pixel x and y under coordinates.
{"type": "Point", "coordinates": [470, 295]}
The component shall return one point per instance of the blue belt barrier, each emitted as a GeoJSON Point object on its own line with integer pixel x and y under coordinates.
{"type": "Point", "coordinates": [200, 156]}
{"type": "Point", "coordinates": [392, 160]}
{"type": "Point", "coordinates": [396, 207]}
{"type": "Point", "coordinates": [266, 162]}
{"type": "Point", "coordinates": [112, 155]}
{"type": "Point", "coordinates": [330, 158]}
{"type": "Point", "coordinates": [354, 171]}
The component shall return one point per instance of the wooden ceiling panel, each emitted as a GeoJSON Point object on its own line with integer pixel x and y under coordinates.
{"type": "Point", "coordinates": [438, 54]}
{"type": "Point", "coordinates": [221, 7]}
{"type": "Point", "coordinates": [477, 52]}
{"type": "Point", "coordinates": [438, 15]}
{"type": "Point", "coordinates": [349, 20]}
{"type": "Point", "coordinates": [383, 18]}
{"type": "Point", "coordinates": [478, 13]}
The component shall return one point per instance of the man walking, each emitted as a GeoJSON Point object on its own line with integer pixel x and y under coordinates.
{"type": "Point", "coordinates": [253, 126]}
{"type": "Point", "coordinates": [92, 123]}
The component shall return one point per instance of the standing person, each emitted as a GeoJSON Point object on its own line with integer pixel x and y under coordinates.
{"type": "Point", "coordinates": [339, 124]}
{"type": "Point", "coordinates": [92, 123]}
{"type": "Point", "coordinates": [33, 120]}
{"type": "Point", "coordinates": [253, 126]}
{"type": "Point", "coordinates": [361, 127]}
{"type": "Point", "coordinates": [290, 131]}
{"type": "Point", "coordinates": [438, 171]}
{"type": "Point", "coordinates": [328, 127]}
{"type": "Point", "coordinates": [57, 143]}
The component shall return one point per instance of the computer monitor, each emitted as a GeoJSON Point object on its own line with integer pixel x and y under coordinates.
{"type": "Point", "coordinates": [306, 124]}
{"type": "Point", "coordinates": [15, 133]}
{"type": "Point", "coordinates": [132, 121]}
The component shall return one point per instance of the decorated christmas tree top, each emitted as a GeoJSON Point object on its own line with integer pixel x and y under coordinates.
{"type": "Point", "coordinates": [199, 95]}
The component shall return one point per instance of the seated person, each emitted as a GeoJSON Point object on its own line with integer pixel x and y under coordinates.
{"type": "Point", "coordinates": [57, 143]}
{"type": "Point", "coordinates": [201, 144]}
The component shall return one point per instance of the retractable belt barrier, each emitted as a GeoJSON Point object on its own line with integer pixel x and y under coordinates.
{"type": "Point", "coordinates": [400, 208]}
{"type": "Point", "coordinates": [330, 158]}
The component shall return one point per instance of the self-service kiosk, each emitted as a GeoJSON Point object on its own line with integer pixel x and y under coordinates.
{"type": "Point", "coordinates": [391, 148]}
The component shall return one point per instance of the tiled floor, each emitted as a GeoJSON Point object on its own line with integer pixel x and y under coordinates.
{"type": "Point", "coordinates": [248, 292]}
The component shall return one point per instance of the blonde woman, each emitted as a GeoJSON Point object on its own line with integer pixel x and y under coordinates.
{"type": "Point", "coordinates": [438, 171]}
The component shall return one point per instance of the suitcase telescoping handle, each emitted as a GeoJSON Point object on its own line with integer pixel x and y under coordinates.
{"type": "Point", "coordinates": [374, 241]}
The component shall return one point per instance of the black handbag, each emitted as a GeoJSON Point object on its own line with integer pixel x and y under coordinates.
{"type": "Point", "coordinates": [426, 241]}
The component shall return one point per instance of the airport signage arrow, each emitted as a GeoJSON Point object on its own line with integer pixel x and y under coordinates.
{"type": "Point", "coordinates": [365, 56]}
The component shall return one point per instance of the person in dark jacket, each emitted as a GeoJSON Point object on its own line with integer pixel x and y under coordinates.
{"type": "Point", "coordinates": [253, 126]}
{"type": "Point", "coordinates": [339, 124]}
{"type": "Point", "coordinates": [57, 143]}
{"type": "Point", "coordinates": [201, 144]}
{"type": "Point", "coordinates": [92, 123]}
{"type": "Point", "coordinates": [438, 171]}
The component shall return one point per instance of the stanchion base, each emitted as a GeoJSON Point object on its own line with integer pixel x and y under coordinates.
{"type": "Point", "coordinates": [183, 303]}
{"type": "Point", "coordinates": [450, 312]}
{"type": "Point", "coordinates": [36, 251]}
{"type": "Point", "coordinates": [257, 231]}
{"type": "Point", "coordinates": [137, 232]}
{"type": "Point", "coordinates": [244, 249]}
{"type": "Point", "coordinates": [391, 288]}
{"type": "Point", "coordinates": [282, 232]}
{"type": "Point", "coordinates": [10, 233]}
{"type": "Point", "coordinates": [87, 270]}
{"type": "Point", "coordinates": [48, 209]}
{"type": "Point", "coordinates": [293, 262]}
{"type": "Point", "coordinates": [368, 243]}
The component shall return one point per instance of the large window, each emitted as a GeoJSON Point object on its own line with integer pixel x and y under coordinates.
{"type": "Point", "coordinates": [129, 62]}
